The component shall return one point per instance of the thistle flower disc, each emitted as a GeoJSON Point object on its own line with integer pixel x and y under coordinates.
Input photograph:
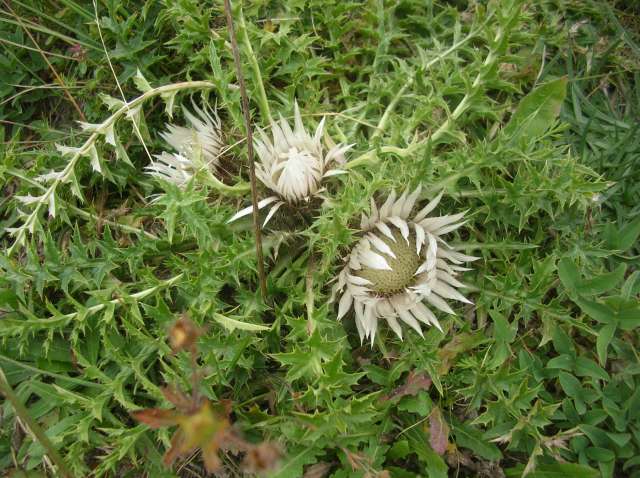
{"type": "Point", "coordinates": [197, 147]}
{"type": "Point", "coordinates": [400, 263]}
{"type": "Point", "coordinates": [293, 165]}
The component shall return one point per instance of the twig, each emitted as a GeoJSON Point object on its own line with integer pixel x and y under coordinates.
{"type": "Point", "coordinates": [252, 168]}
{"type": "Point", "coordinates": [53, 70]}
{"type": "Point", "coordinates": [23, 413]}
{"type": "Point", "coordinates": [64, 175]}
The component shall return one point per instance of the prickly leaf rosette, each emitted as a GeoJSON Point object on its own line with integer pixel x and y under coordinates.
{"type": "Point", "coordinates": [197, 147]}
{"type": "Point", "coordinates": [401, 267]}
{"type": "Point", "coordinates": [293, 165]}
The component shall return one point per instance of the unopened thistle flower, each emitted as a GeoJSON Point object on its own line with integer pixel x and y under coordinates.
{"type": "Point", "coordinates": [294, 164]}
{"type": "Point", "coordinates": [197, 147]}
{"type": "Point", "coordinates": [401, 267]}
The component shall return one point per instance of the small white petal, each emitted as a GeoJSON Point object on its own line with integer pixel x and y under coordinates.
{"type": "Point", "coordinates": [374, 261]}
{"type": "Point", "coordinates": [449, 292]}
{"type": "Point", "coordinates": [439, 303]}
{"type": "Point", "coordinates": [450, 228]}
{"type": "Point", "coordinates": [272, 211]}
{"type": "Point", "coordinates": [420, 237]}
{"type": "Point", "coordinates": [455, 257]}
{"type": "Point", "coordinates": [384, 229]}
{"type": "Point", "coordinates": [424, 314]}
{"type": "Point", "coordinates": [345, 304]}
{"type": "Point", "coordinates": [333, 172]}
{"type": "Point", "coordinates": [395, 326]}
{"type": "Point", "coordinates": [385, 210]}
{"type": "Point", "coordinates": [446, 277]}
{"type": "Point", "coordinates": [248, 210]}
{"type": "Point", "coordinates": [380, 245]}
{"type": "Point", "coordinates": [410, 202]}
{"type": "Point", "coordinates": [396, 209]}
{"type": "Point", "coordinates": [402, 225]}
{"type": "Point", "coordinates": [408, 319]}
{"type": "Point", "coordinates": [432, 224]}
{"type": "Point", "coordinates": [428, 208]}
{"type": "Point", "coordinates": [357, 280]}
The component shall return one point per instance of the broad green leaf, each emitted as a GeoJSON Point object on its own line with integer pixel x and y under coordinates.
{"type": "Point", "coordinates": [468, 437]}
{"type": "Point", "coordinates": [435, 465]}
{"type": "Point", "coordinates": [628, 235]}
{"type": "Point", "coordinates": [569, 274]}
{"type": "Point", "coordinates": [558, 470]}
{"type": "Point", "coordinates": [600, 454]}
{"type": "Point", "coordinates": [564, 362]}
{"type": "Point", "coordinates": [570, 384]}
{"type": "Point", "coordinates": [537, 111]}
{"type": "Point", "coordinates": [602, 283]}
{"type": "Point", "coordinates": [588, 368]}
{"type": "Point", "coordinates": [233, 324]}
{"type": "Point", "coordinates": [605, 335]}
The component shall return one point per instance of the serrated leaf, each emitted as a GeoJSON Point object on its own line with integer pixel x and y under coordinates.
{"type": "Point", "coordinates": [233, 324]}
{"type": "Point", "coordinates": [112, 103]}
{"type": "Point", "coordinates": [141, 82]}
{"type": "Point", "coordinates": [537, 111]}
{"type": "Point", "coordinates": [95, 159]}
{"type": "Point", "coordinates": [169, 100]}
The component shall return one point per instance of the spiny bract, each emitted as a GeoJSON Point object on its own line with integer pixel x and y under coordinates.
{"type": "Point", "coordinates": [197, 147]}
{"type": "Point", "coordinates": [293, 165]}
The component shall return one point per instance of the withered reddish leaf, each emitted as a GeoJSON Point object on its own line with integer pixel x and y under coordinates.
{"type": "Point", "coordinates": [210, 456]}
{"type": "Point", "coordinates": [176, 449]}
{"type": "Point", "coordinates": [156, 417]}
{"type": "Point", "coordinates": [438, 432]}
{"type": "Point", "coordinates": [261, 458]}
{"type": "Point", "coordinates": [459, 344]}
{"type": "Point", "coordinates": [319, 470]}
{"type": "Point", "coordinates": [415, 382]}
{"type": "Point", "coordinates": [184, 334]}
{"type": "Point", "coordinates": [181, 401]}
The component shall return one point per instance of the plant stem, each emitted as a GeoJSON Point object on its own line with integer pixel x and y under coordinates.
{"type": "Point", "coordinates": [252, 167]}
{"type": "Point", "coordinates": [23, 413]}
{"type": "Point", "coordinates": [66, 173]}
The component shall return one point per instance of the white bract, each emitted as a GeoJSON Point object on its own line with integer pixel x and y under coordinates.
{"type": "Point", "coordinates": [294, 164]}
{"type": "Point", "coordinates": [401, 267]}
{"type": "Point", "coordinates": [197, 147]}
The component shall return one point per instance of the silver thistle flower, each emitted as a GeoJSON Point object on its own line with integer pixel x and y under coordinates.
{"type": "Point", "coordinates": [294, 164]}
{"type": "Point", "coordinates": [400, 263]}
{"type": "Point", "coordinates": [197, 147]}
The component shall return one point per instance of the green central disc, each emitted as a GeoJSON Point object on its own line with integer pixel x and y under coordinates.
{"type": "Point", "coordinates": [403, 266]}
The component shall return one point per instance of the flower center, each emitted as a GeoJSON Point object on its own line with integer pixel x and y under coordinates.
{"type": "Point", "coordinates": [403, 267]}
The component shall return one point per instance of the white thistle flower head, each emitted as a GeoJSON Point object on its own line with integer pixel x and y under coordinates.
{"type": "Point", "coordinates": [401, 267]}
{"type": "Point", "coordinates": [294, 164]}
{"type": "Point", "coordinates": [197, 147]}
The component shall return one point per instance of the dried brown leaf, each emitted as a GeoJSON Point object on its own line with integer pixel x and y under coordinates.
{"type": "Point", "coordinates": [438, 432]}
{"type": "Point", "coordinates": [415, 382]}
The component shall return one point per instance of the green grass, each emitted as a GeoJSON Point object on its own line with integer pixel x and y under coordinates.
{"type": "Point", "coordinates": [526, 113]}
